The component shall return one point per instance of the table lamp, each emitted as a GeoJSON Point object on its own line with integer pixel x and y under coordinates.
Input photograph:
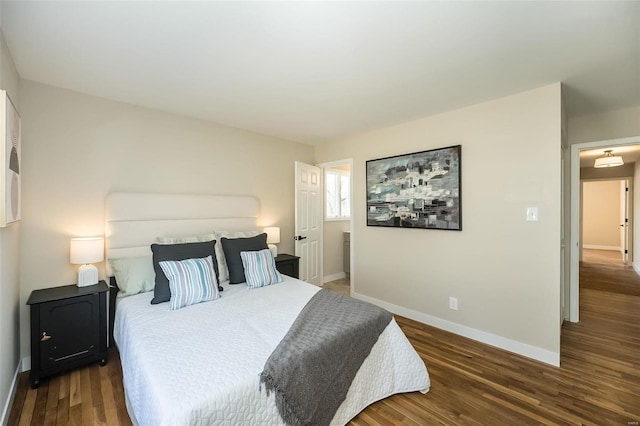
{"type": "Point", "coordinates": [273, 238]}
{"type": "Point", "coordinates": [85, 251]}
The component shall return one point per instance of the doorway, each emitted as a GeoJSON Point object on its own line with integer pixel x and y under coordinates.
{"type": "Point", "coordinates": [337, 233]}
{"type": "Point", "coordinates": [607, 219]}
{"type": "Point", "coordinates": [572, 307]}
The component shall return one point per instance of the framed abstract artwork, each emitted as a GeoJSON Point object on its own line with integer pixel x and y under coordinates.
{"type": "Point", "coordinates": [10, 159]}
{"type": "Point", "coordinates": [418, 190]}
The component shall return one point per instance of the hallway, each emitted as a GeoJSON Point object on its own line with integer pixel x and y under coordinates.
{"type": "Point", "coordinates": [603, 270]}
{"type": "Point", "coordinates": [607, 338]}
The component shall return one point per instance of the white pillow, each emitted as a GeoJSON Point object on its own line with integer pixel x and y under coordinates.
{"type": "Point", "coordinates": [182, 240]}
{"type": "Point", "coordinates": [133, 274]}
{"type": "Point", "coordinates": [223, 269]}
{"type": "Point", "coordinates": [260, 268]}
{"type": "Point", "coordinates": [191, 281]}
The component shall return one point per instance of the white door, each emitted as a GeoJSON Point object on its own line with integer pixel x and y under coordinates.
{"type": "Point", "coordinates": [308, 218]}
{"type": "Point", "coordinates": [626, 225]}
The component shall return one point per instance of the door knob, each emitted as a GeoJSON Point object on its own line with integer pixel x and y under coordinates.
{"type": "Point", "coordinates": [299, 238]}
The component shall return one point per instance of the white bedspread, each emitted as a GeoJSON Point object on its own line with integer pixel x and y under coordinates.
{"type": "Point", "coordinates": [200, 364]}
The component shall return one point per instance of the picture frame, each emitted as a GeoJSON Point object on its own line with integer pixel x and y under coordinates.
{"type": "Point", "coordinates": [10, 161]}
{"type": "Point", "coordinates": [416, 190]}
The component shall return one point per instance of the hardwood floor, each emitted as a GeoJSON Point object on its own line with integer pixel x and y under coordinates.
{"type": "Point", "coordinates": [598, 382]}
{"type": "Point", "coordinates": [604, 257]}
{"type": "Point", "coordinates": [603, 270]}
{"type": "Point", "coordinates": [91, 395]}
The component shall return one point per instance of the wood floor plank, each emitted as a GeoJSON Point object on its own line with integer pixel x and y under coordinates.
{"type": "Point", "coordinates": [27, 412]}
{"type": "Point", "coordinates": [51, 411]}
{"type": "Point", "coordinates": [413, 412]}
{"type": "Point", "coordinates": [99, 415]}
{"type": "Point", "coordinates": [63, 387]}
{"type": "Point", "coordinates": [598, 382]}
{"type": "Point", "coordinates": [40, 408]}
{"type": "Point", "coordinates": [75, 415]}
{"type": "Point", "coordinates": [110, 408]}
{"type": "Point", "coordinates": [364, 419]}
{"type": "Point", "coordinates": [86, 396]}
{"type": "Point", "coordinates": [75, 395]}
{"type": "Point", "coordinates": [28, 408]}
{"type": "Point", "coordinates": [62, 415]}
{"type": "Point", "coordinates": [18, 400]}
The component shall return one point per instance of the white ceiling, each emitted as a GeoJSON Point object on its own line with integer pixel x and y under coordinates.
{"type": "Point", "coordinates": [314, 71]}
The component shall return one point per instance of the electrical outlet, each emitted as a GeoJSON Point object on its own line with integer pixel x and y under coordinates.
{"type": "Point", "coordinates": [453, 303]}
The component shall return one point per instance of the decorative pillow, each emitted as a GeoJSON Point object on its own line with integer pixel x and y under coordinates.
{"type": "Point", "coordinates": [133, 274]}
{"type": "Point", "coordinates": [232, 248]}
{"type": "Point", "coordinates": [222, 263]}
{"type": "Point", "coordinates": [198, 239]}
{"type": "Point", "coordinates": [164, 252]}
{"type": "Point", "coordinates": [260, 268]}
{"type": "Point", "coordinates": [191, 281]}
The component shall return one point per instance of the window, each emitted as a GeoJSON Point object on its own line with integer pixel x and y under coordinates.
{"type": "Point", "coordinates": [337, 194]}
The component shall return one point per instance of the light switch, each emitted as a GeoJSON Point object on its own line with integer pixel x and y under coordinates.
{"type": "Point", "coordinates": [532, 214]}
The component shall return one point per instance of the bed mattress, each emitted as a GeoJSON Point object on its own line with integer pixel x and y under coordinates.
{"type": "Point", "coordinates": [201, 364]}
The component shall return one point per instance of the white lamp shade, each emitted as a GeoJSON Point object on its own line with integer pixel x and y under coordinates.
{"type": "Point", "coordinates": [273, 234]}
{"type": "Point", "coordinates": [610, 161]}
{"type": "Point", "coordinates": [86, 250]}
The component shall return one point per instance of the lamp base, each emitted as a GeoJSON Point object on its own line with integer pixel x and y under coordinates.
{"type": "Point", "coordinates": [274, 250]}
{"type": "Point", "coordinates": [87, 275]}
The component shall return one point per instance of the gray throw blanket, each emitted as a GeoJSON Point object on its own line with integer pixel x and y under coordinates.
{"type": "Point", "coordinates": [313, 366]}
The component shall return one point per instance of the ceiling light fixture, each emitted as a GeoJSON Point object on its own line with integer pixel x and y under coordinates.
{"type": "Point", "coordinates": [608, 160]}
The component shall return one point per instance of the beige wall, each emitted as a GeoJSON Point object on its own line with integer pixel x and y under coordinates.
{"type": "Point", "coordinates": [601, 214]}
{"type": "Point", "coordinates": [504, 271]}
{"type": "Point", "coordinates": [9, 259]}
{"type": "Point", "coordinates": [625, 171]}
{"type": "Point", "coordinates": [78, 148]}
{"type": "Point", "coordinates": [333, 250]}
{"type": "Point", "coordinates": [615, 124]}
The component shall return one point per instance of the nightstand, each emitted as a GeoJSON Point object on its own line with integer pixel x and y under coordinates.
{"type": "Point", "coordinates": [68, 328]}
{"type": "Point", "coordinates": [288, 265]}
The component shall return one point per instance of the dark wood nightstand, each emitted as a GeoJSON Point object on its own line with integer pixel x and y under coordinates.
{"type": "Point", "coordinates": [68, 328]}
{"type": "Point", "coordinates": [288, 265]}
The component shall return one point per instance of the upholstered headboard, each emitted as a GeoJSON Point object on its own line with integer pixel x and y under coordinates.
{"type": "Point", "coordinates": [135, 220]}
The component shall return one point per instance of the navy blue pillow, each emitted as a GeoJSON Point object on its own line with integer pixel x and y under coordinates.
{"type": "Point", "coordinates": [232, 248]}
{"type": "Point", "coordinates": [162, 252]}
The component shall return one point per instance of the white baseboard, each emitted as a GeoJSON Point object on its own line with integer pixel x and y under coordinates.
{"type": "Point", "coordinates": [524, 349]}
{"type": "Point", "coordinates": [636, 268]}
{"type": "Point", "coordinates": [333, 277]}
{"type": "Point", "coordinates": [26, 363]}
{"type": "Point", "coordinates": [598, 247]}
{"type": "Point", "coordinates": [4, 420]}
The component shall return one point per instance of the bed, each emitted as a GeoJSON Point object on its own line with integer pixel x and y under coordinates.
{"type": "Point", "coordinates": [201, 364]}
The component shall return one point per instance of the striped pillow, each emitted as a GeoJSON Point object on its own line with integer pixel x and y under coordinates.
{"type": "Point", "coordinates": [259, 268]}
{"type": "Point", "coordinates": [191, 281]}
